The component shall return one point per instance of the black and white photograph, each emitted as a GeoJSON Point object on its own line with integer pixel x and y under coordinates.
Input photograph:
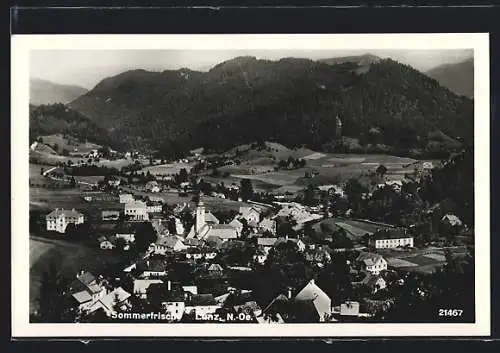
{"type": "Point", "coordinates": [252, 183]}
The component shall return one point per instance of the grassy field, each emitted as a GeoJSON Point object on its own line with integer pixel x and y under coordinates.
{"type": "Point", "coordinates": [420, 260]}
{"type": "Point", "coordinates": [69, 258]}
{"type": "Point", "coordinates": [46, 199]}
{"type": "Point", "coordinates": [168, 169]}
{"type": "Point", "coordinates": [69, 144]}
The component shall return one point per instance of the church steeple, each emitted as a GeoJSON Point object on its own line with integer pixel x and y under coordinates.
{"type": "Point", "coordinates": [338, 127]}
{"type": "Point", "coordinates": [200, 216]}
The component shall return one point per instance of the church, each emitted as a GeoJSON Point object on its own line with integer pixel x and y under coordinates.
{"type": "Point", "coordinates": [207, 225]}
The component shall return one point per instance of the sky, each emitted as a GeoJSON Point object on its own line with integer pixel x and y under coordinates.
{"type": "Point", "coordinates": [86, 68]}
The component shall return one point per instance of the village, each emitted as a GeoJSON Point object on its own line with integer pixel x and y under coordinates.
{"type": "Point", "coordinates": [308, 256]}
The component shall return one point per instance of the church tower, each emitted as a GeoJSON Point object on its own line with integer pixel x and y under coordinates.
{"type": "Point", "coordinates": [200, 216]}
{"type": "Point", "coordinates": [338, 127]}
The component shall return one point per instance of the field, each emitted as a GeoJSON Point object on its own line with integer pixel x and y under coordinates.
{"type": "Point", "coordinates": [329, 168]}
{"type": "Point", "coordinates": [69, 258]}
{"type": "Point", "coordinates": [69, 144]}
{"type": "Point", "coordinates": [168, 169]}
{"type": "Point", "coordinates": [46, 199]}
{"type": "Point", "coordinates": [420, 260]}
{"type": "Point", "coordinates": [35, 173]}
{"type": "Point", "coordinates": [355, 229]}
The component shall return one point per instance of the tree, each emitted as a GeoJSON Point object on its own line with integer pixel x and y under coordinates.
{"type": "Point", "coordinates": [310, 196]}
{"type": "Point", "coordinates": [381, 170]}
{"type": "Point", "coordinates": [145, 236]}
{"type": "Point", "coordinates": [54, 305]}
{"type": "Point", "coordinates": [183, 175]}
{"type": "Point", "coordinates": [246, 189]}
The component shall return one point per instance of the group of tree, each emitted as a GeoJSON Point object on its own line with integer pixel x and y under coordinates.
{"type": "Point", "coordinates": [291, 163]}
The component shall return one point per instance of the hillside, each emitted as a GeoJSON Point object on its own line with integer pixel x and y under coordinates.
{"type": "Point", "coordinates": [291, 101]}
{"type": "Point", "coordinates": [458, 78]}
{"type": "Point", "coordinates": [58, 119]}
{"type": "Point", "coordinates": [46, 92]}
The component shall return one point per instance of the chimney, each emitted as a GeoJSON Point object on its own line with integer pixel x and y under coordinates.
{"type": "Point", "coordinates": [147, 263]}
{"type": "Point", "coordinates": [286, 237]}
{"type": "Point", "coordinates": [289, 293]}
{"type": "Point", "coordinates": [311, 281]}
{"type": "Point", "coordinates": [169, 285]}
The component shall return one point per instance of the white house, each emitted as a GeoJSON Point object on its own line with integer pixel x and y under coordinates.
{"type": "Point", "coordinates": [137, 210]}
{"type": "Point", "coordinates": [59, 219]}
{"type": "Point", "coordinates": [106, 245]}
{"type": "Point", "coordinates": [321, 301]}
{"type": "Point", "coordinates": [250, 214]}
{"type": "Point", "coordinates": [152, 186]}
{"type": "Point", "coordinates": [269, 225]}
{"type": "Point", "coordinates": [128, 237]}
{"type": "Point", "coordinates": [390, 239]}
{"type": "Point", "coordinates": [86, 290]}
{"type": "Point", "coordinates": [168, 243]}
{"type": "Point", "coordinates": [126, 198]}
{"type": "Point", "coordinates": [154, 207]}
{"type": "Point", "coordinates": [118, 299]}
{"type": "Point", "coordinates": [372, 263]}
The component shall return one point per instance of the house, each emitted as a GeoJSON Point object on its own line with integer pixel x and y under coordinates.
{"type": "Point", "coordinates": [154, 268]}
{"type": "Point", "coordinates": [117, 300]}
{"type": "Point", "coordinates": [154, 198]}
{"type": "Point", "coordinates": [137, 210]}
{"type": "Point", "coordinates": [59, 219]}
{"type": "Point", "coordinates": [321, 301]}
{"type": "Point", "coordinates": [200, 253]}
{"type": "Point", "coordinates": [126, 234]}
{"type": "Point", "coordinates": [154, 207]}
{"type": "Point", "coordinates": [266, 243]}
{"type": "Point", "coordinates": [320, 255]}
{"type": "Point", "coordinates": [250, 214]}
{"type": "Point", "coordinates": [167, 244]}
{"type": "Point", "coordinates": [452, 220]}
{"type": "Point", "coordinates": [110, 215]}
{"type": "Point", "coordinates": [299, 243]}
{"type": "Point", "coordinates": [372, 263]}
{"type": "Point", "coordinates": [349, 308]}
{"type": "Point", "coordinates": [113, 181]}
{"type": "Point", "coordinates": [106, 245]}
{"type": "Point", "coordinates": [86, 289]}
{"type": "Point", "coordinates": [390, 238]}
{"type": "Point", "coordinates": [152, 186]}
{"type": "Point", "coordinates": [126, 198]}
{"type": "Point", "coordinates": [190, 289]}
{"type": "Point", "coordinates": [267, 225]}
{"type": "Point", "coordinates": [260, 256]}
{"type": "Point", "coordinates": [203, 229]}
{"type": "Point", "coordinates": [298, 213]}
{"type": "Point", "coordinates": [236, 224]}
{"type": "Point", "coordinates": [202, 306]}
{"type": "Point", "coordinates": [141, 286]}
{"type": "Point", "coordinates": [174, 305]}
{"type": "Point", "coordinates": [374, 283]}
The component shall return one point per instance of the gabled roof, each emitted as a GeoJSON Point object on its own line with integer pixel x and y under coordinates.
{"type": "Point", "coordinates": [119, 295]}
{"type": "Point", "coordinates": [215, 267]}
{"type": "Point", "coordinates": [390, 234]}
{"type": "Point", "coordinates": [168, 241]}
{"type": "Point", "coordinates": [86, 278]}
{"type": "Point", "coordinates": [371, 280]}
{"type": "Point", "coordinates": [82, 297]}
{"type": "Point", "coordinates": [320, 300]}
{"type": "Point", "coordinates": [141, 285]}
{"type": "Point", "coordinates": [58, 212]}
{"type": "Point", "coordinates": [210, 218]}
{"type": "Point", "coordinates": [369, 259]}
{"type": "Point", "coordinates": [266, 241]}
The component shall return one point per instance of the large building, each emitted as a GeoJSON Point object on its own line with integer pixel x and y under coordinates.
{"type": "Point", "coordinates": [59, 219]}
{"type": "Point", "coordinates": [204, 228]}
{"type": "Point", "coordinates": [392, 238]}
{"type": "Point", "coordinates": [137, 211]}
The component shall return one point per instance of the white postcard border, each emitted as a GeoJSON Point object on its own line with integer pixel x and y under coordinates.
{"type": "Point", "coordinates": [20, 50]}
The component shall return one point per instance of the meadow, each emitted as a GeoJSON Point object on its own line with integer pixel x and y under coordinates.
{"type": "Point", "coordinates": [68, 257]}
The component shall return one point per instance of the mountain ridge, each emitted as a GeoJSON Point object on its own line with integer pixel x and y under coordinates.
{"type": "Point", "coordinates": [292, 100]}
{"type": "Point", "coordinates": [48, 92]}
{"type": "Point", "coordinates": [458, 77]}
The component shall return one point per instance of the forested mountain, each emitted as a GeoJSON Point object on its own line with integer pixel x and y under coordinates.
{"type": "Point", "coordinates": [59, 119]}
{"type": "Point", "coordinates": [459, 78]}
{"type": "Point", "coordinates": [46, 92]}
{"type": "Point", "coordinates": [292, 101]}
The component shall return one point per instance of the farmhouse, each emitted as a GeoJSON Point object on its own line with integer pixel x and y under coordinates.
{"type": "Point", "coordinates": [141, 286]}
{"type": "Point", "coordinates": [126, 198]}
{"type": "Point", "coordinates": [372, 263]}
{"type": "Point", "coordinates": [321, 301]}
{"type": "Point", "coordinates": [168, 243]}
{"type": "Point", "coordinates": [59, 219]}
{"type": "Point", "coordinates": [110, 215]}
{"type": "Point", "coordinates": [390, 239]}
{"type": "Point", "coordinates": [86, 290]}
{"type": "Point", "coordinates": [137, 211]}
{"type": "Point", "coordinates": [117, 299]}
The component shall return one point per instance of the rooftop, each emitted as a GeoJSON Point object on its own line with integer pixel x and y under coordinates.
{"type": "Point", "coordinates": [58, 212]}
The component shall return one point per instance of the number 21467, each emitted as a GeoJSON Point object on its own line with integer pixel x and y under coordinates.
{"type": "Point", "coordinates": [450, 312]}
